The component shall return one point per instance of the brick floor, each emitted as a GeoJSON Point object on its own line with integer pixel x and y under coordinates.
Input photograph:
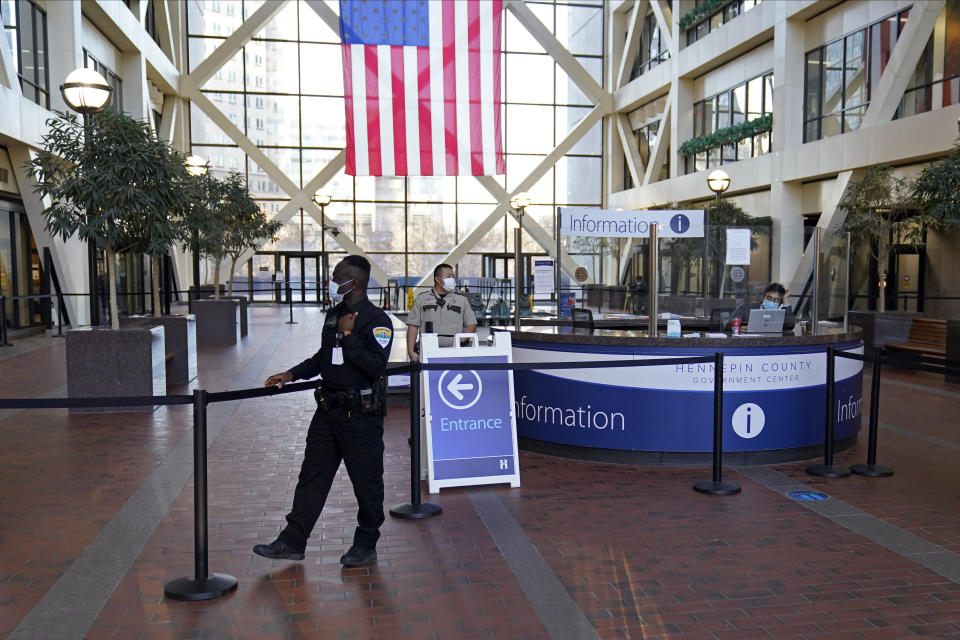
{"type": "Point", "coordinates": [640, 553]}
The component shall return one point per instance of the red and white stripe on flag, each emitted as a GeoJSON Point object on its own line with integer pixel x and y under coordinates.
{"type": "Point", "coordinates": [428, 111]}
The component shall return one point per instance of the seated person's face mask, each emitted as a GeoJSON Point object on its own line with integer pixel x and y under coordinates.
{"type": "Point", "coordinates": [769, 304]}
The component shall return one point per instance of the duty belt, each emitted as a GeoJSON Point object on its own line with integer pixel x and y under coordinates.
{"type": "Point", "coordinates": [341, 398]}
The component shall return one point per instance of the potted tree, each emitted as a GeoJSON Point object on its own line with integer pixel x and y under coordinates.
{"type": "Point", "coordinates": [123, 192]}
{"type": "Point", "coordinates": [223, 223]}
{"type": "Point", "coordinates": [935, 191]}
{"type": "Point", "coordinates": [249, 227]}
{"type": "Point", "coordinates": [880, 211]}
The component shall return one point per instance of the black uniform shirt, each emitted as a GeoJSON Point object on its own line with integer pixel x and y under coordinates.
{"type": "Point", "coordinates": [365, 350]}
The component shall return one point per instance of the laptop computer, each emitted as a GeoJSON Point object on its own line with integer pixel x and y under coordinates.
{"type": "Point", "coordinates": [767, 321]}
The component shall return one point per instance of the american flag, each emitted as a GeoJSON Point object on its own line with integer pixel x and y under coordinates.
{"type": "Point", "coordinates": [422, 87]}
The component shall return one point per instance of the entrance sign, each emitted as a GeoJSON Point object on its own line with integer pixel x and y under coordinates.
{"type": "Point", "coordinates": [606, 223]}
{"type": "Point", "coordinates": [470, 423]}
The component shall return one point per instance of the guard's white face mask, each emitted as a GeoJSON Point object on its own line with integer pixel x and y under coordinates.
{"type": "Point", "coordinates": [450, 284]}
{"type": "Point", "coordinates": [333, 288]}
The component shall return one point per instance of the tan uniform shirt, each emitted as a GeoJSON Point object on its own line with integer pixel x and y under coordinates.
{"type": "Point", "coordinates": [446, 318]}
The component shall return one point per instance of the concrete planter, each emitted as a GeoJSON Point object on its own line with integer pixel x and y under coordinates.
{"type": "Point", "coordinates": [882, 328]}
{"type": "Point", "coordinates": [203, 292]}
{"type": "Point", "coordinates": [244, 313]}
{"type": "Point", "coordinates": [218, 322]}
{"type": "Point", "coordinates": [121, 362]}
{"type": "Point", "coordinates": [180, 340]}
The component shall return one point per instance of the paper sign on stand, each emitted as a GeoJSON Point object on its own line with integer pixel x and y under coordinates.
{"type": "Point", "coordinates": [470, 424]}
{"type": "Point", "coordinates": [738, 246]}
{"type": "Point", "coordinates": [543, 276]}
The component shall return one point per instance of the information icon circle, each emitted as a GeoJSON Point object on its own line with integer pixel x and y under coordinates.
{"type": "Point", "coordinates": [679, 223]}
{"type": "Point", "coordinates": [748, 420]}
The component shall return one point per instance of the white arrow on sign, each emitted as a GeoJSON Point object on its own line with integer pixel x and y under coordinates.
{"type": "Point", "coordinates": [455, 387]}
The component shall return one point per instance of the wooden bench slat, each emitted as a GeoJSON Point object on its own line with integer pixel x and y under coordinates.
{"type": "Point", "coordinates": [927, 336]}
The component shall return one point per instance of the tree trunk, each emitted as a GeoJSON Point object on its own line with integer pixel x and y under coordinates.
{"type": "Point", "coordinates": [217, 259]}
{"type": "Point", "coordinates": [883, 259]}
{"type": "Point", "coordinates": [112, 288]}
{"type": "Point", "coordinates": [155, 278]}
{"type": "Point", "coordinates": [233, 267]}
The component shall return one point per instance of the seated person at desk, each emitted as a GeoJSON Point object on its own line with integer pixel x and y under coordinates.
{"type": "Point", "coordinates": [774, 297]}
{"type": "Point", "coordinates": [439, 310]}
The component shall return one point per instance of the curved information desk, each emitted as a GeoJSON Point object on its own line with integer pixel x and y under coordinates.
{"type": "Point", "coordinates": [773, 400]}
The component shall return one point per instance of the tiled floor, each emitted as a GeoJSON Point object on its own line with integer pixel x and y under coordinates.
{"type": "Point", "coordinates": [630, 552]}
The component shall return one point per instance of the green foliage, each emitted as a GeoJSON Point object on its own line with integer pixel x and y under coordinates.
{"type": "Point", "coordinates": [125, 189]}
{"type": "Point", "coordinates": [937, 188]}
{"type": "Point", "coordinates": [701, 12]}
{"type": "Point", "coordinates": [881, 209]}
{"type": "Point", "coordinates": [728, 135]}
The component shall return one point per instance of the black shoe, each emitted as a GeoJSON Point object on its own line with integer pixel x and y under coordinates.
{"type": "Point", "coordinates": [358, 557]}
{"type": "Point", "coordinates": [277, 550]}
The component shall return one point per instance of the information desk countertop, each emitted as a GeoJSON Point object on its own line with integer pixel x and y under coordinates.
{"type": "Point", "coordinates": [774, 396]}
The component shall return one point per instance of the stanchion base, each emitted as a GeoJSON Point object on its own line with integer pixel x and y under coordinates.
{"type": "Point", "coordinates": [871, 470]}
{"type": "Point", "coordinates": [290, 322]}
{"type": "Point", "coordinates": [416, 511]}
{"type": "Point", "coordinates": [829, 471]}
{"type": "Point", "coordinates": [216, 585]}
{"type": "Point", "coordinates": [713, 488]}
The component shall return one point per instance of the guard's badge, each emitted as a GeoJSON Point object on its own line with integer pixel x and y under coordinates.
{"type": "Point", "coordinates": [382, 336]}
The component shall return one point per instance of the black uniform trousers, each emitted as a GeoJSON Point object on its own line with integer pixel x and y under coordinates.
{"type": "Point", "coordinates": [357, 440]}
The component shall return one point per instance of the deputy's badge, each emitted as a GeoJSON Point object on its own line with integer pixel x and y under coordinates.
{"type": "Point", "coordinates": [382, 336]}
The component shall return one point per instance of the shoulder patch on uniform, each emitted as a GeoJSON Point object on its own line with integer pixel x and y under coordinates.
{"type": "Point", "coordinates": [382, 336]}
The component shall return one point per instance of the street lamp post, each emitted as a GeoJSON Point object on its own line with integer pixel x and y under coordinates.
{"type": "Point", "coordinates": [718, 181]}
{"type": "Point", "coordinates": [87, 92]}
{"type": "Point", "coordinates": [322, 200]}
{"type": "Point", "coordinates": [518, 203]}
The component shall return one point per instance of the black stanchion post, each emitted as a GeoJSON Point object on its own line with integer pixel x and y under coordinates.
{"type": "Point", "coordinates": [717, 486]}
{"type": "Point", "coordinates": [60, 309]}
{"type": "Point", "coordinates": [203, 585]}
{"type": "Point", "coordinates": [416, 509]}
{"type": "Point", "coordinates": [828, 469]}
{"type": "Point", "coordinates": [872, 469]}
{"type": "Point", "coordinates": [290, 304]}
{"type": "Point", "coordinates": [3, 322]}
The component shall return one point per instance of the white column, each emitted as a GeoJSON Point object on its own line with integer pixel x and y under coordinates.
{"type": "Point", "coordinates": [785, 207]}
{"type": "Point", "coordinates": [136, 98]}
{"type": "Point", "coordinates": [788, 74]}
{"type": "Point", "coordinates": [65, 49]}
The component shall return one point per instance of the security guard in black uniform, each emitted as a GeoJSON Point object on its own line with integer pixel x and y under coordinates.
{"type": "Point", "coordinates": [348, 424]}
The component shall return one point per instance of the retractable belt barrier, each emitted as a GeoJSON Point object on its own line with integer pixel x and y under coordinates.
{"type": "Point", "coordinates": [204, 585]}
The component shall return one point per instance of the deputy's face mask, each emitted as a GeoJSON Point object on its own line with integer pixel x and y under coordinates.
{"type": "Point", "coordinates": [334, 290]}
{"type": "Point", "coordinates": [450, 284]}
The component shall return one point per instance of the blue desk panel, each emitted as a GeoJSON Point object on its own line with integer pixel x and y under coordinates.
{"type": "Point", "coordinates": [774, 398]}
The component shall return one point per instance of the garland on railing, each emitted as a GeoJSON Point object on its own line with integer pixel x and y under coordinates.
{"type": "Point", "coordinates": [701, 12]}
{"type": "Point", "coordinates": [727, 135]}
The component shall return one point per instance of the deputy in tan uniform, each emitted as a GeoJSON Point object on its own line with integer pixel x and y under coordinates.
{"type": "Point", "coordinates": [439, 310]}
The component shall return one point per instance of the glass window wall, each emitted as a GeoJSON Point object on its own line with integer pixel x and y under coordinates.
{"type": "Point", "coordinates": [746, 101]}
{"type": "Point", "coordinates": [25, 29]}
{"type": "Point", "coordinates": [295, 114]}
